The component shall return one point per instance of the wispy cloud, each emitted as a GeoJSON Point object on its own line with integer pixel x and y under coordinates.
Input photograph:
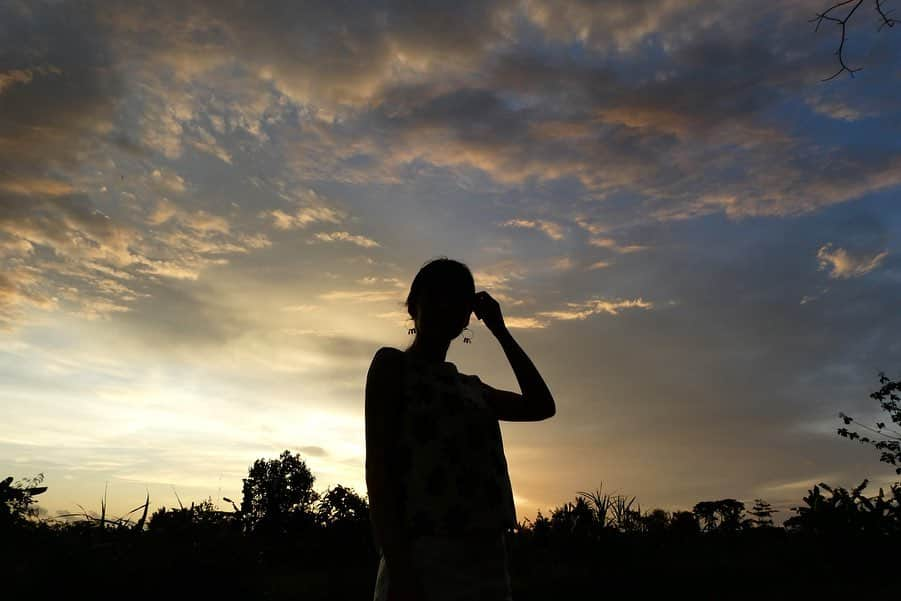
{"type": "Point", "coordinates": [551, 229]}
{"type": "Point", "coordinates": [613, 245]}
{"type": "Point", "coordinates": [593, 307]}
{"type": "Point", "coordinates": [35, 187]}
{"type": "Point", "coordinates": [844, 265]}
{"type": "Point", "coordinates": [304, 216]}
{"type": "Point", "coordinates": [369, 296]}
{"type": "Point", "coordinates": [525, 323]}
{"type": "Point", "coordinates": [357, 239]}
{"type": "Point", "coordinates": [599, 265]}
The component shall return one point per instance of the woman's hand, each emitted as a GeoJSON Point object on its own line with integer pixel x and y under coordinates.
{"type": "Point", "coordinates": [489, 312]}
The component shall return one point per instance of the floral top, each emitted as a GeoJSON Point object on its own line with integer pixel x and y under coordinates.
{"type": "Point", "coordinates": [448, 454]}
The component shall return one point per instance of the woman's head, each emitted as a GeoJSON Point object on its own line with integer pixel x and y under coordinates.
{"type": "Point", "coordinates": [440, 298]}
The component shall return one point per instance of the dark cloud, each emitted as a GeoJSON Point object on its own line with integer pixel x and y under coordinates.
{"type": "Point", "coordinates": [61, 100]}
{"type": "Point", "coordinates": [487, 93]}
{"type": "Point", "coordinates": [70, 95]}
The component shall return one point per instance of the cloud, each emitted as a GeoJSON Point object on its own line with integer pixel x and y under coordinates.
{"type": "Point", "coordinates": [30, 187]}
{"type": "Point", "coordinates": [844, 265]}
{"type": "Point", "coordinates": [66, 254]}
{"type": "Point", "coordinates": [368, 296]}
{"type": "Point", "coordinates": [593, 307]}
{"type": "Point", "coordinates": [553, 230]}
{"type": "Point", "coordinates": [199, 221]}
{"type": "Point", "coordinates": [373, 280]}
{"type": "Point", "coordinates": [58, 96]}
{"type": "Point", "coordinates": [575, 311]}
{"type": "Point", "coordinates": [303, 308]}
{"type": "Point", "coordinates": [70, 238]}
{"type": "Point", "coordinates": [58, 101]}
{"type": "Point", "coordinates": [344, 236]}
{"type": "Point", "coordinates": [206, 142]}
{"type": "Point", "coordinates": [396, 317]}
{"type": "Point", "coordinates": [691, 134]}
{"type": "Point", "coordinates": [24, 76]}
{"type": "Point", "coordinates": [165, 210]}
{"type": "Point", "coordinates": [170, 181]}
{"type": "Point", "coordinates": [497, 275]}
{"type": "Point", "coordinates": [303, 217]}
{"type": "Point", "coordinates": [311, 207]}
{"type": "Point", "coordinates": [524, 323]}
{"type": "Point", "coordinates": [299, 48]}
{"type": "Point", "coordinates": [599, 265]}
{"type": "Point", "coordinates": [562, 264]}
{"type": "Point", "coordinates": [612, 244]}
{"type": "Point", "coordinates": [618, 25]}
{"type": "Point", "coordinates": [836, 109]}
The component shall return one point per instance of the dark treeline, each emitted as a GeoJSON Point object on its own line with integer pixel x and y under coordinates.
{"type": "Point", "coordinates": [288, 541]}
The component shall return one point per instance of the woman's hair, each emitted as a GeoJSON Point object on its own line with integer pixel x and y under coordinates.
{"type": "Point", "coordinates": [439, 273]}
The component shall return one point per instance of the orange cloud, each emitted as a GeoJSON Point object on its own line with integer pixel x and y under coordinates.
{"type": "Point", "coordinates": [844, 265]}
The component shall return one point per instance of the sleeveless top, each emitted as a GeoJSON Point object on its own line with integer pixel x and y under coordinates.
{"type": "Point", "coordinates": [448, 454]}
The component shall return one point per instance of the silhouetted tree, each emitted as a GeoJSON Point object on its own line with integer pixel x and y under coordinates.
{"type": "Point", "coordinates": [541, 528]}
{"type": "Point", "coordinates": [890, 442]}
{"type": "Point", "coordinates": [278, 495]}
{"type": "Point", "coordinates": [762, 512]}
{"type": "Point", "coordinates": [573, 519]}
{"type": "Point", "coordinates": [731, 515]}
{"type": "Point", "coordinates": [655, 522]}
{"type": "Point", "coordinates": [847, 512]}
{"type": "Point", "coordinates": [341, 505]}
{"type": "Point", "coordinates": [724, 515]}
{"type": "Point", "coordinates": [705, 513]}
{"type": "Point", "coordinates": [203, 515]}
{"type": "Point", "coordinates": [16, 500]}
{"type": "Point", "coordinates": [684, 523]}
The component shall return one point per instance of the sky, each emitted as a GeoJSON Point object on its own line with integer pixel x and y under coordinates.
{"type": "Point", "coordinates": [211, 213]}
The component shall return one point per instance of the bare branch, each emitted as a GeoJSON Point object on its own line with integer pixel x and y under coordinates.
{"type": "Point", "coordinates": [829, 15]}
{"type": "Point", "coordinates": [886, 20]}
{"type": "Point", "coordinates": [825, 16]}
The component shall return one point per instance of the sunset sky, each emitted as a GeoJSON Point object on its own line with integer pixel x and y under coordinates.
{"type": "Point", "coordinates": [211, 213]}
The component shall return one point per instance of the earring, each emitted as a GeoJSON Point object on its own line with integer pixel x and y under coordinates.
{"type": "Point", "coordinates": [411, 331]}
{"type": "Point", "coordinates": [467, 339]}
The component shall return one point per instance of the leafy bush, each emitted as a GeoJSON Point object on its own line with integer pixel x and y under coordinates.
{"type": "Point", "coordinates": [17, 500]}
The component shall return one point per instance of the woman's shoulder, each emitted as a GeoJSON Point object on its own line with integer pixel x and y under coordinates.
{"type": "Point", "coordinates": [388, 349]}
{"type": "Point", "coordinates": [388, 353]}
{"type": "Point", "coordinates": [387, 359]}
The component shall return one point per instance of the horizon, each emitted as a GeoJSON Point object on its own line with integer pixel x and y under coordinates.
{"type": "Point", "coordinates": [210, 216]}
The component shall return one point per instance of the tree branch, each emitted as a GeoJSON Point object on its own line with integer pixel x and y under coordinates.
{"type": "Point", "coordinates": [828, 15]}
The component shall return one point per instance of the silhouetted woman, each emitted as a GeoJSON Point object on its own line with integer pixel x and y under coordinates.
{"type": "Point", "coordinates": [441, 504]}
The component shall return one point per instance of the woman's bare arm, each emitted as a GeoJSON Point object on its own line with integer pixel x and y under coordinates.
{"type": "Point", "coordinates": [382, 392]}
{"type": "Point", "coordinates": [536, 402]}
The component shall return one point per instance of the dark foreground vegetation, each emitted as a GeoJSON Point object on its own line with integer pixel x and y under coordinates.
{"type": "Point", "coordinates": [287, 541]}
{"type": "Point", "coordinates": [292, 543]}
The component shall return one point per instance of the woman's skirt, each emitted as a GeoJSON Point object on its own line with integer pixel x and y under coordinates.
{"type": "Point", "coordinates": [466, 567]}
